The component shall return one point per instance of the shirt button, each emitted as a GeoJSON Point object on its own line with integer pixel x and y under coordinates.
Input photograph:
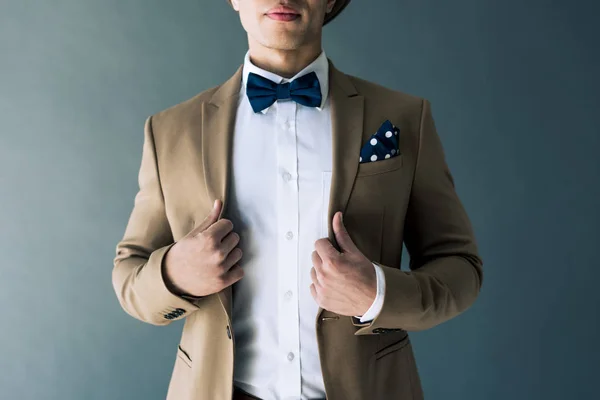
{"type": "Point", "coordinates": [290, 356]}
{"type": "Point", "coordinates": [288, 295]}
{"type": "Point", "coordinates": [285, 125]}
{"type": "Point", "coordinates": [289, 235]}
{"type": "Point", "coordinates": [287, 176]}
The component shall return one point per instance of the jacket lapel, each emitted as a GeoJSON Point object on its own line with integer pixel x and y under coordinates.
{"type": "Point", "coordinates": [347, 115]}
{"type": "Point", "coordinates": [218, 117]}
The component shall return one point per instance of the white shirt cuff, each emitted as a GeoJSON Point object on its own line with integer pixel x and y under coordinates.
{"type": "Point", "coordinates": [375, 308]}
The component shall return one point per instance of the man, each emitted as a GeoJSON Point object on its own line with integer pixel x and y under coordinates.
{"type": "Point", "coordinates": [237, 226]}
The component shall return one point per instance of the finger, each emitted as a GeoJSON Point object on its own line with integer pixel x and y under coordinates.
{"type": "Point", "coordinates": [313, 292]}
{"type": "Point", "coordinates": [341, 235]}
{"type": "Point", "coordinates": [325, 249]}
{"type": "Point", "coordinates": [234, 274]}
{"type": "Point", "coordinates": [230, 241]}
{"type": "Point", "coordinates": [317, 263]}
{"type": "Point", "coordinates": [314, 278]}
{"type": "Point", "coordinates": [210, 219]}
{"type": "Point", "coordinates": [219, 229]}
{"type": "Point", "coordinates": [232, 258]}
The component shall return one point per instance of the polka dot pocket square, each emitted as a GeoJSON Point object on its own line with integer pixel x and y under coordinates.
{"type": "Point", "coordinates": [382, 144]}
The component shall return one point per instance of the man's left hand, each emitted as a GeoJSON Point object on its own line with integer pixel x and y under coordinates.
{"type": "Point", "coordinates": [344, 283]}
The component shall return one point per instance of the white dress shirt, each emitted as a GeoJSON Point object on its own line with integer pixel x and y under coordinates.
{"type": "Point", "coordinates": [279, 195]}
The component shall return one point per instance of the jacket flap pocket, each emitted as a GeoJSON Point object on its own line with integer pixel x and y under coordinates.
{"type": "Point", "coordinates": [392, 346]}
{"type": "Point", "coordinates": [184, 356]}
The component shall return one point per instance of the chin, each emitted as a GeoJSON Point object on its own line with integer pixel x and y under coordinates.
{"type": "Point", "coordinates": [281, 45]}
{"type": "Point", "coordinates": [282, 41]}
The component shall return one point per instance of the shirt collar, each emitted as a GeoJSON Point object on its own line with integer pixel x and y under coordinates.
{"type": "Point", "coordinates": [320, 66]}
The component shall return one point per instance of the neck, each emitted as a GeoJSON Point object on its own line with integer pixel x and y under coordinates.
{"type": "Point", "coordinates": [285, 63]}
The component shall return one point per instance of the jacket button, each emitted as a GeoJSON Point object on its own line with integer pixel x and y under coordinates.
{"type": "Point", "coordinates": [228, 332]}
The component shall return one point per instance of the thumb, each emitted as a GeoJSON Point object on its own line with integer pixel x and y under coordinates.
{"type": "Point", "coordinates": [341, 234]}
{"type": "Point", "coordinates": [211, 218]}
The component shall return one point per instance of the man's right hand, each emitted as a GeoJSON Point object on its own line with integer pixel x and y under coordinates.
{"type": "Point", "coordinates": [205, 260]}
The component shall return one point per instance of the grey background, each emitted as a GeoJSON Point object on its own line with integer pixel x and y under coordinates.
{"type": "Point", "coordinates": [514, 90]}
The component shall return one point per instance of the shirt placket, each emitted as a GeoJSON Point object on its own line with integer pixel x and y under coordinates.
{"type": "Point", "coordinates": [287, 254]}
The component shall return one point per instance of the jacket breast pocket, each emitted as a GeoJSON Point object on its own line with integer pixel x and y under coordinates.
{"type": "Point", "coordinates": [378, 167]}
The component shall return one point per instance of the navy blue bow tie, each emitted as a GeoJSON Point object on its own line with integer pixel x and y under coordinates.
{"type": "Point", "coordinates": [263, 92]}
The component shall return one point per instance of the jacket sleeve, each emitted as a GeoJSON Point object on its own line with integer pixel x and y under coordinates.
{"type": "Point", "coordinates": [446, 273]}
{"type": "Point", "coordinates": [137, 275]}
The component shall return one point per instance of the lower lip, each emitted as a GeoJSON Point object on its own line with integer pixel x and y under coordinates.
{"type": "Point", "coordinates": [283, 17]}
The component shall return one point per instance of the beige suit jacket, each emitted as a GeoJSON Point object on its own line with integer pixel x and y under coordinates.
{"type": "Point", "coordinates": [408, 199]}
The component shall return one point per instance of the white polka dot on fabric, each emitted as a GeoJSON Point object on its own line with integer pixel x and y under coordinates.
{"type": "Point", "coordinates": [396, 132]}
{"type": "Point", "coordinates": [388, 134]}
{"type": "Point", "coordinates": [393, 151]}
{"type": "Point", "coordinates": [373, 141]}
{"type": "Point", "coordinates": [374, 157]}
{"type": "Point", "coordinates": [360, 159]}
{"type": "Point", "coordinates": [387, 156]}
